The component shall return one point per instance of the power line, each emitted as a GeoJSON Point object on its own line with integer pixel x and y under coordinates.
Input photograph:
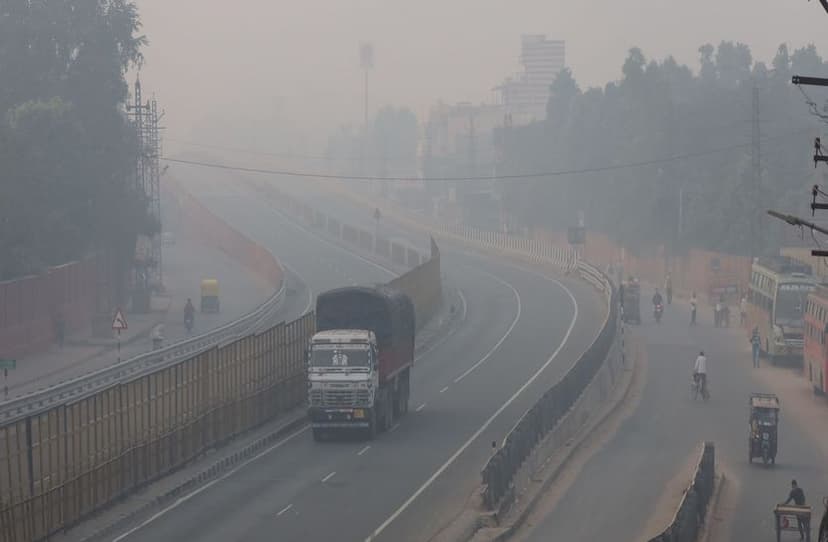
{"type": "Point", "coordinates": [286, 155]}
{"type": "Point", "coordinates": [516, 176]}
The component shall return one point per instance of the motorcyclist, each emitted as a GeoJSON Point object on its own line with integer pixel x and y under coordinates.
{"type": "Point", "coordinates": [189, 313]}
{"type": "Point", "coordinates": [657, 299]}
{"type": "Point", "coordinates": [700, 373]}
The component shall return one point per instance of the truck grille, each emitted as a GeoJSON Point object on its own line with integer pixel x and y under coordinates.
{"type": "Point", "coordinates": [795, 340]}
{"type": "Point", "coordinates": [339, 398]}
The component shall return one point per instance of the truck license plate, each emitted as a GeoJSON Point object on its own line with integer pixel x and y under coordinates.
{"type": "Point", "coordinates": [359, 413]}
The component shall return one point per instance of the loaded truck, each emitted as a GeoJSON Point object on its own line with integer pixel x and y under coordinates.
{"type": "Point", "coordinates": [359, 360]}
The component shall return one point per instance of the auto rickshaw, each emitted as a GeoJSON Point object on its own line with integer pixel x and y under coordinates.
{"type": "Point", "coordinates": [209, 295]}
{"type": "Point", "coordinates": [631, 301]}
{"type": "Point", "coordinates": [764, 418]}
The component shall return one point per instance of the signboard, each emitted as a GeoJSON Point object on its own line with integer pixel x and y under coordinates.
{"type": "Point", "coordinates": [576, 236]}
{"type": "Point", "coordinates": [8, 364]}
{"type": "Point", "coordinates": [119, 323]}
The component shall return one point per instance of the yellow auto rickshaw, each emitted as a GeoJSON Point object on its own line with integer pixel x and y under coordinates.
{"type": "Point", "coordinates": [209, 295]}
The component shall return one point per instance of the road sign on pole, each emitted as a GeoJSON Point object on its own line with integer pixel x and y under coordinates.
{"type": "Point", "coordinates": [8, 364]}
{"type": "Point", "coordinates": [119, 323]}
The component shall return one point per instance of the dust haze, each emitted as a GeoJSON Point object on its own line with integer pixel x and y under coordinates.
{"type": "Point", "coordinates": [283, 75]}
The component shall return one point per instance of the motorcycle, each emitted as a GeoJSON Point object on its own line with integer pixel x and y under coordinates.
{"type": "Point", "coordinates": [657, 311]}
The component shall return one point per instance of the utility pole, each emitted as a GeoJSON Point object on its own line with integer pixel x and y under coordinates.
{"type": "Point", "coordinates": [756, 172]}
{"type": "Point", "coordinates": [366, 62]}
{"type": "Point", "coordinates": [818, 157]}
{"type": "Point", "coordinates": [472, 146]}
{"type": "Point", "coordinates": [145, 119]}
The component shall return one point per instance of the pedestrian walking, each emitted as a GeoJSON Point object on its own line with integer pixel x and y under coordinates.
{"type": "Point", "coordinates": [693, 307]}
{"type": "Point", "coordinates": [756, 344]}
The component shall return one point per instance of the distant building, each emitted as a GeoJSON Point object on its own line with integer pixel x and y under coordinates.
{"type": "Point", "coordinates": [524, 95]}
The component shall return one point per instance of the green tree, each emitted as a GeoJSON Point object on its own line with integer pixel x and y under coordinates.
{"type": "Point", "coordinates": [67, 151]}
{"type": "Point", "coordinates": [662, 109]}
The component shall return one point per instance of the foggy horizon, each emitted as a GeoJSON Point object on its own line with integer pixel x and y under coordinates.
{"type": "Point", "coordinates": [296, 69]}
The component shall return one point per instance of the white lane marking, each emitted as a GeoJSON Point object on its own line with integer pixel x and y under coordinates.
{"type": "Point", "coordinates": [465, 306]}
{"type": "Point", "coordinates": [207, 486]}
{"type": "Point", "coordinates": [483, 360]}
{"type": "Point", "coordinates": [283, 510]}
{"type": "Point", "coordinates": [328, 477]}
{"type": "Point", "coordinates": [444, 390]}
{"type": "Point", "coordinates": [486, 424]}
{"type": "Point", "coordinates": [394, 428]}
{"type": "Point", "coordinates": [362, 451]}
{"type": "Point", "coordinates": [419, 408]}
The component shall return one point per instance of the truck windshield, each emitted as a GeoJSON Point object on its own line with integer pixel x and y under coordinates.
{"type": "Point", "coordinates": [790, 304]}
{"type": "Point", "coordinates": [339, 355]}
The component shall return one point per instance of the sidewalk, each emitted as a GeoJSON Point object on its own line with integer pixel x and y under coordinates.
{"type": "Point", "coordinates": [185, 264]}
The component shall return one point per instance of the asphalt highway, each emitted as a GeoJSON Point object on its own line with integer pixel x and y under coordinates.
{"type": "Point", "coordinates": [519, 332]}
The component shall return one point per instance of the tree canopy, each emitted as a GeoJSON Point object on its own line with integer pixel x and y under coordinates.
{"type": "Point", "coordinates": [66, 148]}
{"type": "Point", "coordinates": [663, 109]}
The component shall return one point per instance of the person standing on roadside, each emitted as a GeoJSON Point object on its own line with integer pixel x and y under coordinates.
{"type": "Point", "coordinates": [668, 288]}
{"type": "Point", "coordinates": [756, 344]}
{"type": "Point", "coordinates": [693, 306]}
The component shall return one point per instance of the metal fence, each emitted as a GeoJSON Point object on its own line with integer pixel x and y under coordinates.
{"type": "Point", "coordinates": [690, 515]}
{"type": "Point", "coordinates": [499, 473]}
{"type": "Point", "coordinates": [63, 464]}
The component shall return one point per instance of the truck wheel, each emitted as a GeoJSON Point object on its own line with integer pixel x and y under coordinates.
{"type": "Point", "coordinates": [371, 432]}
{"type": "Point", "coordinates": [401, 398]}
{"type": "Point", "coordinates": [388, 413]}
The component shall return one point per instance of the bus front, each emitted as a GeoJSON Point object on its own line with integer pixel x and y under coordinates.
{"type": "Point", "coordinates": [789, 318]}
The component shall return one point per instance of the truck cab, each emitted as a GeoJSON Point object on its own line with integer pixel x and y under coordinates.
{"type": "Point", "coordinates": [343, 377]}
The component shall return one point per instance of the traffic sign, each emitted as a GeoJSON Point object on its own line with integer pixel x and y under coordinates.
{"type": "Point", "coordinates": [8, 364]}
{"type": "Point", "coordinates": [119, 323]}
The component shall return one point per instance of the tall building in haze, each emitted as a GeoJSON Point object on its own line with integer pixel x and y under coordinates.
{"type": "Point", "coordinates": [524, 95]}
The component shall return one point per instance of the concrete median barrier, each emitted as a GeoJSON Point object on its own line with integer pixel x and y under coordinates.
{"type": "Point", "coordinates": [691, 513]}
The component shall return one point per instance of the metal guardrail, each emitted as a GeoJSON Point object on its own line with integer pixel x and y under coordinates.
{"type": "Point", "coordinates": [499, 473]}
{"type": "Point", "coordinates": [83, 385]}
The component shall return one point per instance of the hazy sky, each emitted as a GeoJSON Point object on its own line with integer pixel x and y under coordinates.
{"type": "Point", "coordinates": [294, 65]}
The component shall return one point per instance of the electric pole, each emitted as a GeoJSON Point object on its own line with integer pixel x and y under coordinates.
{"type": "Point", "coordinates": [472, 146]}
{"type": "Point", "coordinates": [756, 172]}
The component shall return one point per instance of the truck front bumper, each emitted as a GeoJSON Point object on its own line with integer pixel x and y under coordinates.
{"type": "Point", "coordinates": [339, 417]}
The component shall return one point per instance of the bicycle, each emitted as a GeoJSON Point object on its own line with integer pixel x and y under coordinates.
{"type": "Point", "coordinates": [695, 390]}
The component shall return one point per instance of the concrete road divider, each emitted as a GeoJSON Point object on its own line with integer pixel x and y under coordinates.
{"type": "Point", "coordinates": [557, 415]}
{"type": "Point", "coordinates": [692, 510]}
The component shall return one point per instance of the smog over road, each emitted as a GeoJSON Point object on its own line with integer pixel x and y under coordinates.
{"type": "Point", "coordinates": [441, 271]}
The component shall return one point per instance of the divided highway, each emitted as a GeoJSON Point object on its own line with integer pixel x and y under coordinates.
{"type": "Point", "coordinates": [519, 333]}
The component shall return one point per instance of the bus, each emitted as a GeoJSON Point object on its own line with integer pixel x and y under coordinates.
{"type": "Point", "coordinates": [816, 325]}
{"type": "Point", "coordinates": [779, 289]}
